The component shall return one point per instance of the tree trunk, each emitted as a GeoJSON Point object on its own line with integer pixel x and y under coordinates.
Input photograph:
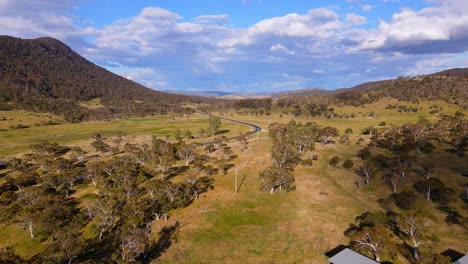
{"type": "Point", "coordinates": [101, 233]}
{"type": "Point", "coordinates": [377, 257]}
{"type": "Point", "coordinates": [416, 253]}
{"type": "Point", "coordinates": [31, 229]}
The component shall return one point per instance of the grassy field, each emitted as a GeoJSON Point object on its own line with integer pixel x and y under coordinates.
{"type": "Point", "coordinates": [300, 226]}
{"type": "Point", "coordinates": [253, 226]}
{"type": "Point", "coordinates": [15, 141]}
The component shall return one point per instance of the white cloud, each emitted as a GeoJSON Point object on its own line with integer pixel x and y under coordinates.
{"type": "Point", "coordinates": [367, 8]}
{"type": "Point", "coordinates": [430, 30]}
{"type": "Point", "coordinates": [39, 18]}
{"type": "Point", "coordinates": [355, 20]}
{"type": "Point", "coordinates": [317, 23]}
{"type": "Point", "coordinates": [281, 48]}
{"type": "Point", "coordinates": [146, 76]}
{"type": "Point", "coordinates": [159, 48]}
{"type": "Point", "coordinates": [212, 19]}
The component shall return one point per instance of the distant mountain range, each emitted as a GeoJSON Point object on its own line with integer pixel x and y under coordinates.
{"type": "Point", "coordinates": [45, 75]}
{"type": "Point", "coordinates": [237, 95]}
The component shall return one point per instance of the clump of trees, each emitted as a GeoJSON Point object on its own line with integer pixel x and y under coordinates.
{"type": "Point", "coordinates": [290, 142]}
{"type": "Point", "coordinates": [131, 190]}
{"type": "Point", "coordinates": [398, 154]}
{"type": "Point", "coordinates": [389, 234]}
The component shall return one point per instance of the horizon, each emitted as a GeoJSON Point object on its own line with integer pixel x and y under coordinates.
{"type": "Point", "coordinates": [252, 46]}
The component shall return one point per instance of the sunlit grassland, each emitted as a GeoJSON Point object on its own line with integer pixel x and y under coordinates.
{"type": "Point", "coordinates": [92, 104]}
{"type": "Point", "coordinates": [30, 119]}
{"type": "Point", "coordinates": [258, 227]}
{"type": "Point", "coordinates": [18, 140]}
{"type": "Point", "coordinates": [18, 239]}
{"type": "Point", "coordinates": [300, 226]}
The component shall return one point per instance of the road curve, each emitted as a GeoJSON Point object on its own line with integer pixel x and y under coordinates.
{"type": "Point", "coordinates": [256, 128]}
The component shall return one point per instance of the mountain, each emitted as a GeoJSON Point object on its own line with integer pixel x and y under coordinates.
{"type": "Point", "coordinates": [450, 86]}
{"type": "Point", "coordinates": [45, 75]}
{"type": "Point", "coordinates": [302, 92]}
{"type": "Point", "coordinates": [455, 72]}
{"type": "Point", "coordinates": [200, 93]}
{"type": "Point", "coordinates": [243, 95]}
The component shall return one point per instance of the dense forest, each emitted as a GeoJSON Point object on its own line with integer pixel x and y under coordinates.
{"type": "Point", "coordinates": [45, 75]}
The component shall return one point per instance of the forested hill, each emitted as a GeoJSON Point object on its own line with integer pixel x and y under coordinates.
{"type": "Point", "coordinates": [450, 86]}
{"type": "Point", "coordinates": [45, 75]}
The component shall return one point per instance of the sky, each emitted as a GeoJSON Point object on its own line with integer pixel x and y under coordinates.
{"type": "Point", "coordinates": [251, 45]}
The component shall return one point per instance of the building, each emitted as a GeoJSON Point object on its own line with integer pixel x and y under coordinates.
{"type": "Point", "coordinates": [463, 260]}
{"type": "Point", "coordinates": [347, 256]}
{"type": "Point", "coordinates": [3, 164]}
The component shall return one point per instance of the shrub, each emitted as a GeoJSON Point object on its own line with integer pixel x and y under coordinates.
{"type": "Point", "coordinates": [19, 126]}
{"type": "Point", "coordinates": [444, 196]}
{"type": "Point", "coordinates": [360, 141]}
{"type": "Point", "coordinates": [406, 200]}
{"type": "Point", "coordinates": [307, 162]}
{"type": "Point", "coordinates": [334, 161]}
{"type": "Point", "coordinates": [348, 164]}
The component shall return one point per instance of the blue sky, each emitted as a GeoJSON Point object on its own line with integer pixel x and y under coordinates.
{"type": "Point", "coordinates": [251, 45]}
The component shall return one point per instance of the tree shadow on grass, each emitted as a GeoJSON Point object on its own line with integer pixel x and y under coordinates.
{"type": "Point", "coordinates": [99, 250]}
{"type": "Point", "coordinates": [174, 171]}
{"type": "Point", "coordinates": [164, 242]}
{"type": "Point", "coordinates": [222, 132]}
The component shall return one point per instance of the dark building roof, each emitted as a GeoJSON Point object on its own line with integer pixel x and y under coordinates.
{"type": "Point", "coordinates": [347, 256]}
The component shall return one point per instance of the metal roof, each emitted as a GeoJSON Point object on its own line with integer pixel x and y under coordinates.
{"type": "Point", "coordinates": [347, 256]}
{"type": "Point", "coordinates": [463, 260]}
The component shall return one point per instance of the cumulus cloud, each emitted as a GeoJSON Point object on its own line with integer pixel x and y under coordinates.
{"type": "Point", "coordinates": [212, 19]}
{"type": "Point", "coordinates": [281, 48]}
{"type": "Point", "coordinates": [316, 23]}
{"type": "Point", "coordinates": [437, 29]}
{"type": "Point", "coordinates": [355, 20]}
{"type": "Point", "coordinates": [161, 49]}
{"type": "Point", "coordinates": [32, 19]}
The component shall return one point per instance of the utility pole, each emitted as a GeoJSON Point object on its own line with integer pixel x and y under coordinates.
{"type": "Point", "coordinates": [235, 183]}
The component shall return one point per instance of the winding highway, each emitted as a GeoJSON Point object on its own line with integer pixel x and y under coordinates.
{"type": "Point", "coordinates": [256, 128]}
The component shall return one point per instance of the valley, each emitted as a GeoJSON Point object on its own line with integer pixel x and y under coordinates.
{"type": "Point", "coordinates": [99, 169]}
{"type": "Point", "coordinates": [254, 226]}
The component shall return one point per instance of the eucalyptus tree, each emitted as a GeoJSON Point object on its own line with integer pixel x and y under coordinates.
{"type": "Point", "coordinates": [276, 177]}
{"type": "Point", "coordinates": [414, 230]}
{"type": "Point", "coordinates": [214, 124]}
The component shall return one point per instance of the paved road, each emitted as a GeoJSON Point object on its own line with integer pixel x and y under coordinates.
{"type": "Point", "coordinates": [256, 128]}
